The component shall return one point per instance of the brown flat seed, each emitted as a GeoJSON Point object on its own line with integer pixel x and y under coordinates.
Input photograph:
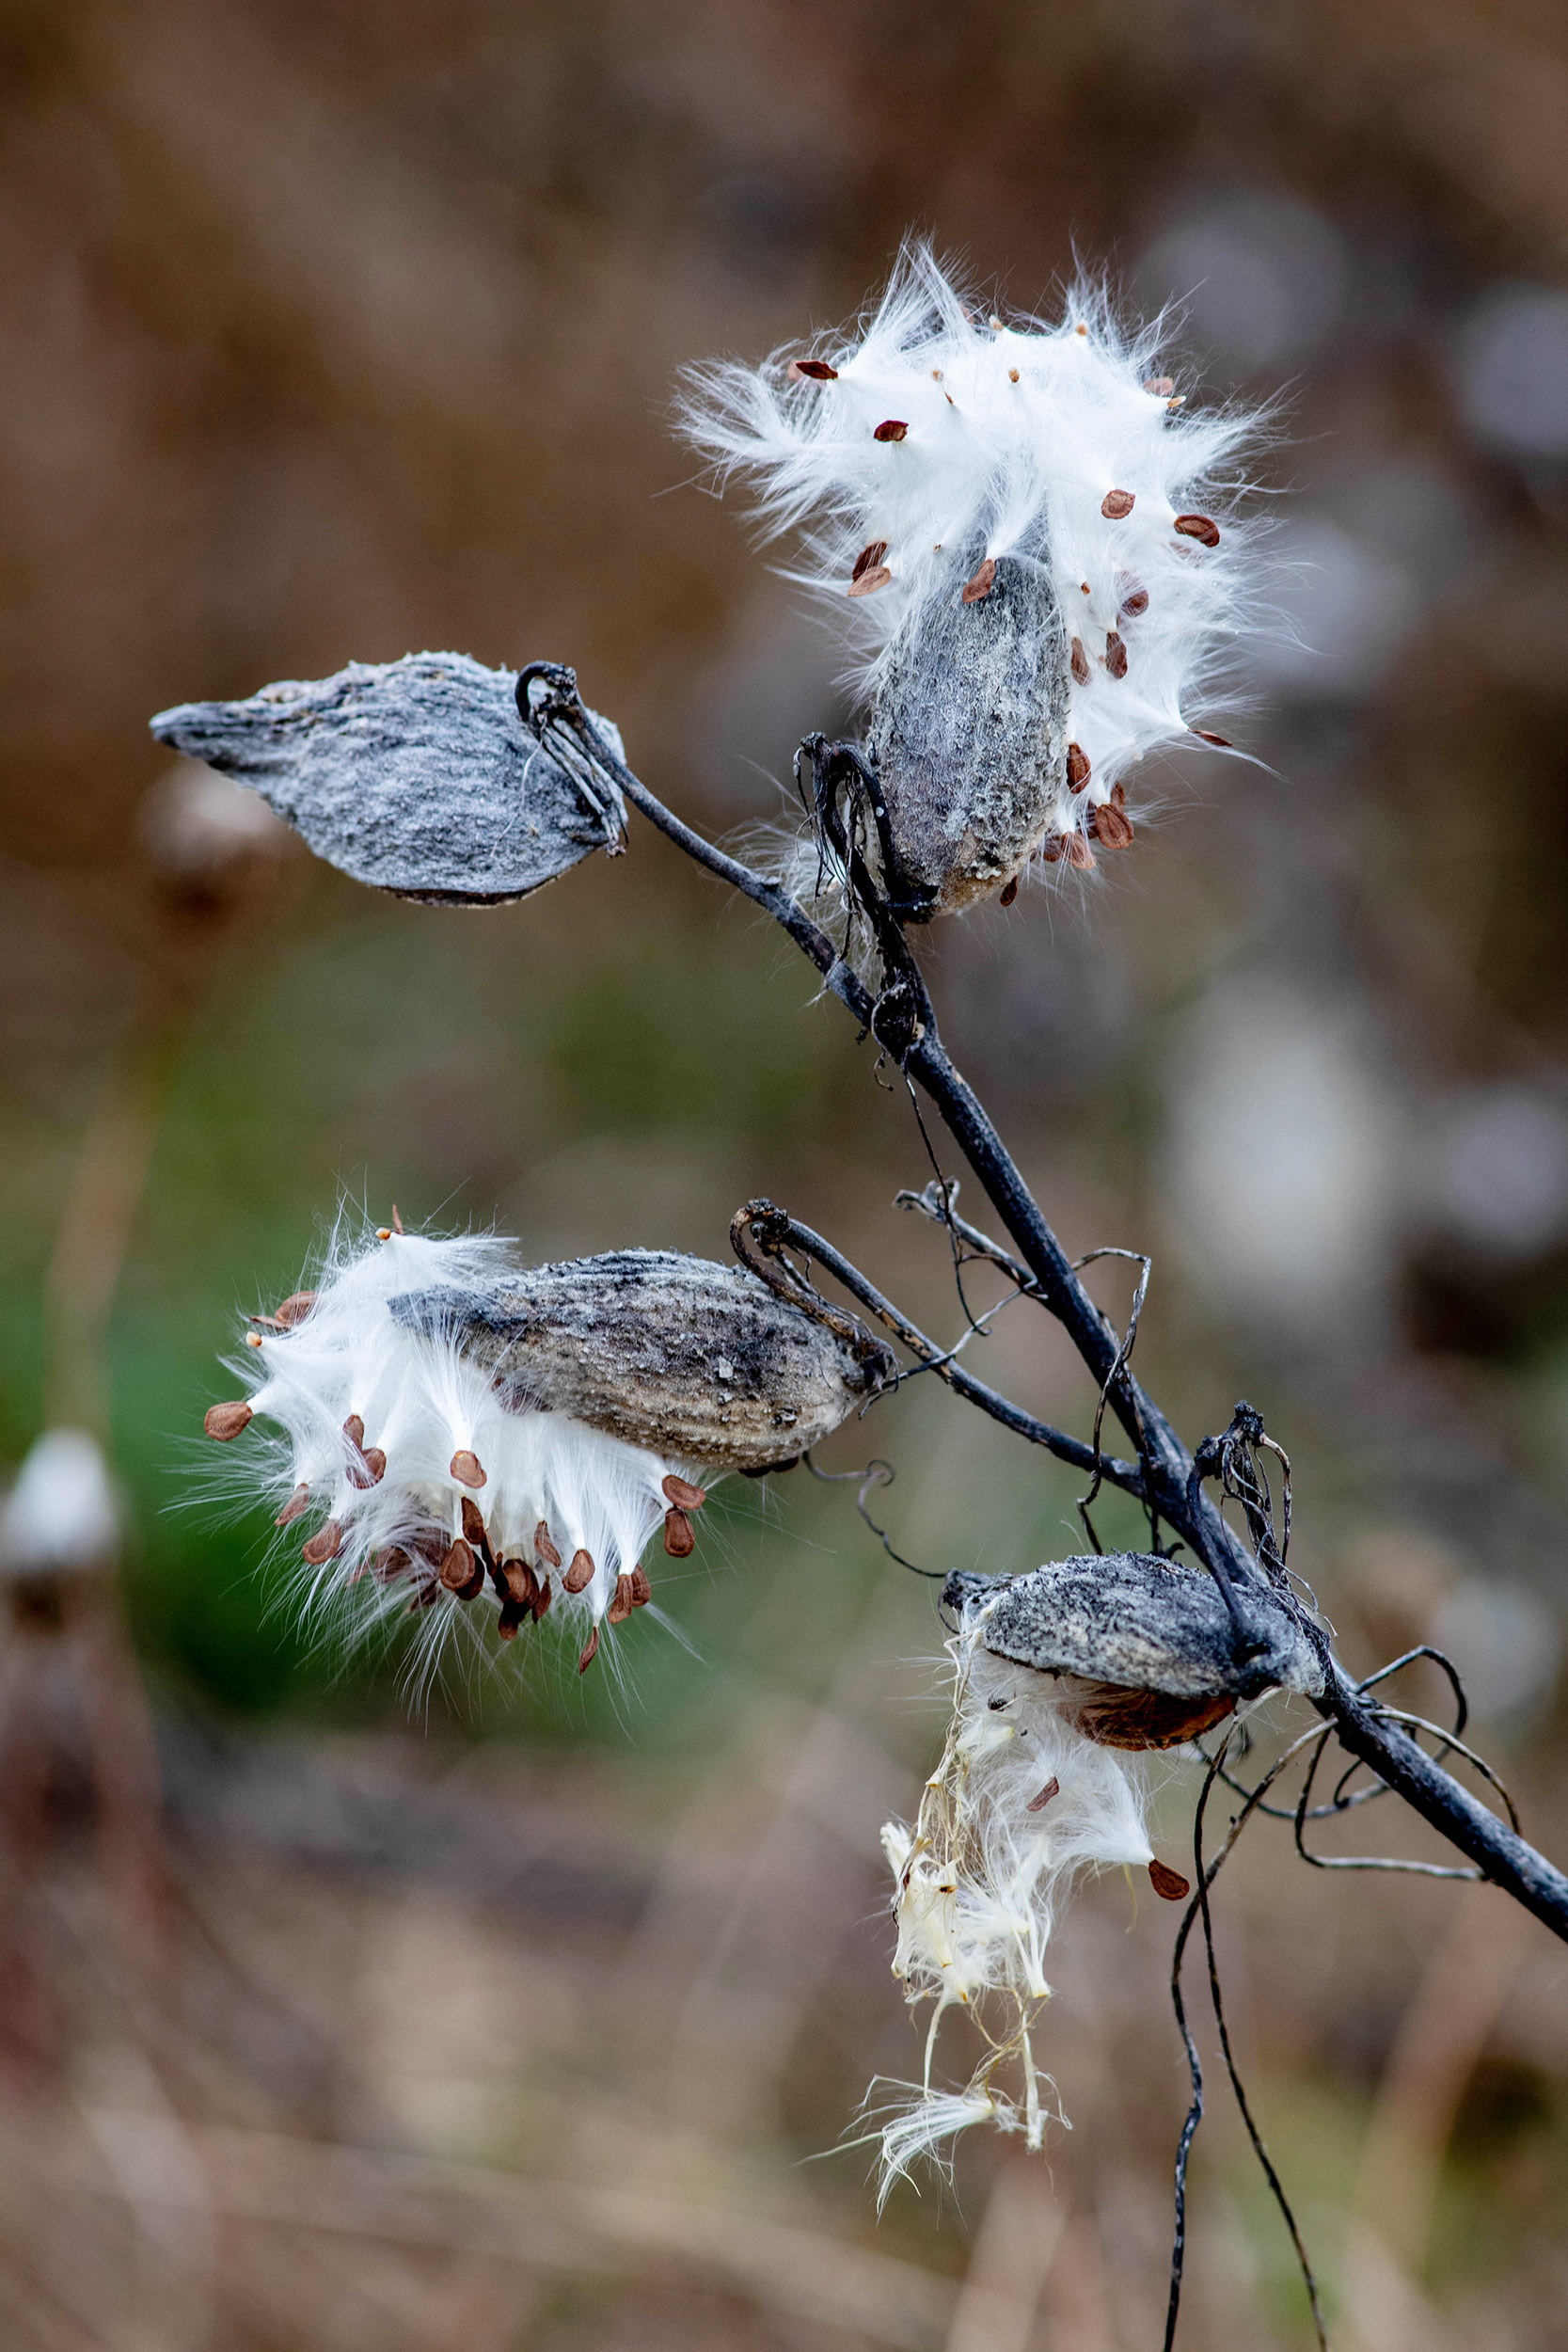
{"type": "Point", "coordinates": [354, 1430]}
{"type": "Point", "coordinates": [519, 1581]}
{"type": "Point", "coordinates": [891, 429]}
{"type": "Point", "coordinates": [1078, 769]}
{"type": "Point", "coordinates": [581, 1573]}
{"type": "Point", "coordinates": [1080, 662]}
{"type": "Point", "coordinates": [1116, 504]}
{"type": "Point", "coordinates": [324, 1544]}
{"type": "Point", "coordinates": [811, 372]}
{"type": "Point", "coordinates": [1079, 853]}
{"type": "Point", "coordinates": [1133, 599]}
{"type": "Point", "coordinates": [871, 553]}
{"type": "Point", "coordinates": [514, 1615]}
{"type": "Point", "coordinates": [473, 1588]}
{"type": "Point", "coordinates": [869, 582]}
{"type": "Point", "coordinates": [543, 1546]}
{"type": "Point", "coordinates": [466, 1467]}
{"type": "Point", "coordinates": [1168, 1882]}
{"type": "Point", "coordinates": [590, 1651]}
{"type": "Point", "coordinates": [1052, 1788]}
{"type": "Point", "coordinates": [622, 1606]}
{"type": "Point", "coordinates": [680, 1541]}
{"type": "Point", "coordinates": [1116, 655]}
{"type": "Point", "coordinates": [299, 1500]}
{"type": "Point", "coordinates": [1161, 386]}
{"type": "Point", "coordinates": [642, 1591]}
{"type": "Point", "coordinates": [457, 1568]}
{"type": "Point", "coordinates": [1010, 892]}
{"type": "Point", "coordinates": [1206, 735]}
{"type": "Point", "coordinates": [1112, 827]}
{"type": "Point", "coordinates": [683, 1494]}
{"type": "Point", "coordinates": [1012, 375]}
{"type": "Point", "coordinates": [1199, 527]}
{"type": "Point", "coordinates": [226, 1420]}
{"type": "Point", "coordinates": [375, 1462]}
{"type": "Point", "coordinates": [542, 1599]}
{"type": "Point", "coordinates": [473, 1523]}
{"type": "Point", "coordinates": [294, 1308]}
{"type": "Point", "coordinates": [979, 588]}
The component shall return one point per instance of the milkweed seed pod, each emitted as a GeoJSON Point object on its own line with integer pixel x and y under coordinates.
{"type": "Point", "coordinates": [450, 1422]}
{"type": "Point", "coordinates": [1143, 1649]}
{"type": "Point", "coordinates": [411, 775]}
{"type": "Point", "coordinates": [1059, 1677]}
{"type": "Point", "coordinates": [1017, 523]}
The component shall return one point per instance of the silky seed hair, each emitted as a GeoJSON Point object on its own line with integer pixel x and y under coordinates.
{"type": "Point", "coordinates": [1019, 1806]}
{"type": "Point", "coordinates": [401, 1482]}
{"type": "Point", "coordinates": [935, 423]}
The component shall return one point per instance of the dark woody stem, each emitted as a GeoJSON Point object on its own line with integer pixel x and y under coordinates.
{"type": "Point", "coordinates": [550, 706]}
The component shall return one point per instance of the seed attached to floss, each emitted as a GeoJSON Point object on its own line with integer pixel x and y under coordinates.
{"type": "Point", "coordinates": [375, 1462]}
{"type": "Point", "coordinates": [299, 1500]}
{"type": "Point", "coordinates": [811, 372]}
{"type": "Point", "coordinates": [457, 1568]}
{"type": "Point", "coordinates": [1070, 847]}
{"type": "Point", "coordinates": [581, 1573]}
{"type": "Point", "coordinates": [1199, 527]}
{"type": "Point", "coordinates": [1010, 892]}
{"type": "Point", "coordinates": [354, 1430]}
{"type": "Point", "coordinates": [512, 1617]}
{"type": "Point", "coordinates": [1012, 375]}
{"type": "Point", "coordinates": [1112, 827]}
{"type": "Point", "coordinates": [1161, 386]}
{"type": "Point", "coordinates": [1080, 662]}
{"type": "Point", "coordinates": [322, 1545]}
{"type": "Point", "coordinates": [1052, 1788]}
{"type": "Point", "coordinates": [543, 1546]}
{"type": "Point", "coordinates": [871, 553]}
{"type": "Point", "coordinates": [622, 1606]}
{"type": "Point", "coordinates": [466, 1467]}
{"type": "Point", "coordinates": [642, 1591]}
{"type": "Point", "coordinates": [294, 1308]}
{"type": "Point", "coordinates": [1116, 504]}
{"type": "Point", "coordinates": [1168, 1882]}
{"type": "Point", "coordinates": [590, 1651]}
{"type": "Point", "coordinates": [680, 1541]}
{"type": "Point", "coordinates": [520, 1582]}
{"type": "Point", "coordinates": [1116, 655]}
{"type": "Point", "coordinates": [1206, 735]}
{"type": "Point", "coordinates": [542, 1599]}
{"type": "Point", "coordinates": [226, 1420]}
{"type": "Point", "coordinates": [891, 429]}
{"type": "Point", "coordinates": [977, 589]}
{"type": "Point", "coordinates": [1134, 598]}
{"type": "Point", "coordinates": [683, 1494]}
{"type": "Point", "coordinates": [867, 583]}
{"type": "Point", "coordinates": [1078, 769]}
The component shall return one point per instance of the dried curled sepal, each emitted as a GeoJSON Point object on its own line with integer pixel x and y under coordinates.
{"type": "Point", "coordinates": [415, 776]}
{"type": "Point", "coordinates": [1168, 1883]}
{"type": "Point", "coordinates": [224, 1422]}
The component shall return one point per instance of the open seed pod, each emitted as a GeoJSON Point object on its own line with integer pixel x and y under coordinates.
{"type": "Point", "coordinates": [412, 775]}
{"type": "Point", "coordinates": [968, 726]}
{"type": "Point", "coordinates": [691, 1359]}
{"type": "Point", "coordinates": [1145, 1647]}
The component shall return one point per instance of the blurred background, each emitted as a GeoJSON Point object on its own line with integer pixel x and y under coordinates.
{"type": "Point", "coordinates": [509, 2020]}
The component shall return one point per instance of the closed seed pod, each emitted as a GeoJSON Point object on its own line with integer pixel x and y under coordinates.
{"type": "Point", "coordinates": [686, 1357]}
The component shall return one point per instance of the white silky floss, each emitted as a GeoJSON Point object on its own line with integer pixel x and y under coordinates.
{"type": "Point", "coordinates": [1020, 1804]}
{"type": "Point", "coordinates": [936, 430]}
{"type": "Point", "coordinates": [433, 1434]}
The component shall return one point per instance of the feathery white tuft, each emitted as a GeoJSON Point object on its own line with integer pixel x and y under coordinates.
{"type": "Point", "coordinates": [63, 1511]}
{"type": "Point", "coordinates": [1063, 442]}
{"type": "Point", "coordinates": [993, 1851]}
{"type": "Point", "coordinates": [385, 1433]}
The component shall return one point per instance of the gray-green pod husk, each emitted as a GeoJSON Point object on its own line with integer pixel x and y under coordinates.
{"type": "Point", "coordinates": [693, 1361]}
{"type": "Point", "coordinates": [969, 730]}
{"type": "Point", "coordinates": [1143, 1623]}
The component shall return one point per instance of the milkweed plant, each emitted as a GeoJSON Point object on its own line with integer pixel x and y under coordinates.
{"type": "Point", "coordinates": [1035, 540]}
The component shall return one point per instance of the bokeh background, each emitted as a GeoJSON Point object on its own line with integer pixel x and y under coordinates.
{"type": "Point", "coordinates": [509, 2020]}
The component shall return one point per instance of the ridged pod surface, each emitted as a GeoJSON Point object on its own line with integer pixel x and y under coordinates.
{"type": "Point", "coordinates": [968, 728]}
{"type": "Point", "coordinates": [686, 1357]}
